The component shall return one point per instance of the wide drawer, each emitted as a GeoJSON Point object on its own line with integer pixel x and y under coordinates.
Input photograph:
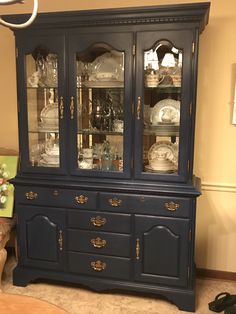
{"type": "Point", "coordinates": [99, 242]}
{"type": "Point", "coordinates": [99, 265]}
{"type": "Point", "coordinates": [99, 221]}
{"type": "Point", "coordinates": [56, 197]}
{"type": "Point", "coordinates": [153, 205]}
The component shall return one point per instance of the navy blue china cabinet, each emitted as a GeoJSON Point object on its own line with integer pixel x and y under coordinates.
{"type": "Point", "coordinates": [105, 194]}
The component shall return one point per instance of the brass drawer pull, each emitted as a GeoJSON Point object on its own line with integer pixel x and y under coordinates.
{"type": "Point", "coordinates": [60, 240]}
{"type": "Point", "coordinates": [98, 265]}
{"type": "Point", "coordinates": [115, 202]}
{"type": "Point", "coordinates": [98, 221]}
{"type": "Point", "coordinates": [137, 248]}
{"type": "Point", "coordinates": [81, 199]}
{"type": "Point", "coordinates": [171, 206]}
{"type": "Point", "coordinates": [31, 195]}
{"type": "Point", "coordinates": [98, 243]}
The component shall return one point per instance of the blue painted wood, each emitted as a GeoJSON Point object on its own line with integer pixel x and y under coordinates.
{"type": "Point", "coordinates": [150, 243]}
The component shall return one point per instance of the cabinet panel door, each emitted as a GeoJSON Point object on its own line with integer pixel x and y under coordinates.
{"type": "Point", "coordinates": [41, 237]}
{"type": "Point", "coordinates": [41, 93]}
{"type": "Point", "coordinates": [100, 102]}
{"type": "Point", "coordinates": [164, 105]}
{"type": "Point", "coordinates": [162, 250]}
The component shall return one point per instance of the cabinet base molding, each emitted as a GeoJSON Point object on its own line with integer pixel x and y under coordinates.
{"type": "Point", "coordinates": [217, 274]}
{"type": "Point", "coordinates": [184, 299]}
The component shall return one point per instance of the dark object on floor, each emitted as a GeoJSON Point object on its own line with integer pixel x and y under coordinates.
{"type": "Point", "coordinates": [222, 301]}
{"type": "Point", "coordinates": [231, 310]}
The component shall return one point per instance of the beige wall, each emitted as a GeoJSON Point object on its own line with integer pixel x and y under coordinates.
{"type": "Point", "coordinates": [215, 148]}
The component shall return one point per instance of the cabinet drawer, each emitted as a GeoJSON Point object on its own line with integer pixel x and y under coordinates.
{"type": "Point", "coordinates": [117, 201]}
{"type": "Point", "coordinates": [153, 205]}
{"type": "Point", "coordinates": [99, 265]}
{"type": "Point", "coordinates": [99, 242]}
{"type": "Point", "coordinates": [99, 221]}
{"type": "Point", "coordinates": [164, 205]}
{"type": "Point", "coordinates": [56, 197]}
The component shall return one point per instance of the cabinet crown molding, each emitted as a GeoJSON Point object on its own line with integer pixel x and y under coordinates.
{"type": "Point", "coordinates": [197, 13]}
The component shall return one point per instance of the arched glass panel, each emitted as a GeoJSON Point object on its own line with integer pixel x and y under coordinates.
{"type": "Point", "coordinates": [100, 108]}
{"type": "Point", "coordinates": [42, 107]}
{"type": "Point", "coordinates": [162, 102]}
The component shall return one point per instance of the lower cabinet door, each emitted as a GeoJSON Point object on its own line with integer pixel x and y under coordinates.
{"type": "Point", "coordinates": [41, 237]}
{"type": "Point", "coordinates": [162, 250]}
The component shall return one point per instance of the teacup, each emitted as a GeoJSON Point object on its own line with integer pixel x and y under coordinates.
{"type": "Point", "coordinates": [152, 79]}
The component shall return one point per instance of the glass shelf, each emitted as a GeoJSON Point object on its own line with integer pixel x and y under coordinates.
{"type": "Point", "coordinates": [98, 132]}
{"type": "Point", "coordinates": [160, 130]}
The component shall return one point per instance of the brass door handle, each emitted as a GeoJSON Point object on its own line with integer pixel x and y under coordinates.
{"type": "Point", "coordinates": [98, 265]}
{"type": "Point", "coordinates": [61, 107]}
{"type": "Point", "coordinates": [137, 248]}
{"type": "Point", "coordinates": [139, 108]}
{"type": "Point", "coordinates": [98, 221]}
{"type": "Point", "coordinates": [60, 240]}
{"type": "Point", "coordinates": [98, 243]}
{"type": "Point", "coordinates": [72, 107]}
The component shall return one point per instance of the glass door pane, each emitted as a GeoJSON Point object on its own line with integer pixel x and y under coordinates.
{"type": "Point", "coordinates": [43, 108]}
{"type": "Point", "coordinates": [100, 108]}
{"type": "Point", "coordinates": [161, 112]}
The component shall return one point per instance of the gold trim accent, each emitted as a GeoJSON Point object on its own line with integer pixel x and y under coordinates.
{"type": "Point", "coordinates": [98, 221]}
{"type": "Point", "coordinates": [172, 206]}
{"type": "Point", "coordinates": [31, 195]}
{"type": "Point", "coordinates": [98, 265]}
{"type": "Point", "coordinates": [193, 47]}
{"type": "Point", "coordinates": [137, 248]}
{"type": "Point", "coordinates": [115, 202]}
{"type": "Point", "coordinates": [139, 108]}
{"type": "Point", "coordinates": [60, 240]}
{"type": "Point", "coordinates": [98, 243]}
{"type": "Point", "coordinates": [61, 107]}
{"type": "Point", "coordinates": [72, 108]}
{"type": "Point", "coordinates": [81, 199]}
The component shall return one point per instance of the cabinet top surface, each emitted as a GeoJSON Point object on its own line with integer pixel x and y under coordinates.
{"type": "Point", "coordinates": [179, 13]}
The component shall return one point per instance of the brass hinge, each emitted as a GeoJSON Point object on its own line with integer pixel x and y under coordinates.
{"type": "Point", "coordinates": [193, 47]}
{"type": "Point", "coordinates": [19, 161]}
{"type": "Point", "coordinates": [134, 50]}
{"type": "Point", "coordinates": [18, 105]}
{"type": "Point", "coordinates": [190, 235]}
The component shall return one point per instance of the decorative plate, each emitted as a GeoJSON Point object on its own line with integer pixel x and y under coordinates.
{"type": "Point", "coordinates": [166, 111]}
{"type": "Point", "coordinates": [163, 148]}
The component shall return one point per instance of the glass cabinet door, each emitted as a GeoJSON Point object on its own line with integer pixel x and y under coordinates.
{"type": "Point", "coordinates": [44, 109]}
{"type": "Point", "coordinates": [98, 106]}
{"type": "Point", "coordinates": [161, 107]}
